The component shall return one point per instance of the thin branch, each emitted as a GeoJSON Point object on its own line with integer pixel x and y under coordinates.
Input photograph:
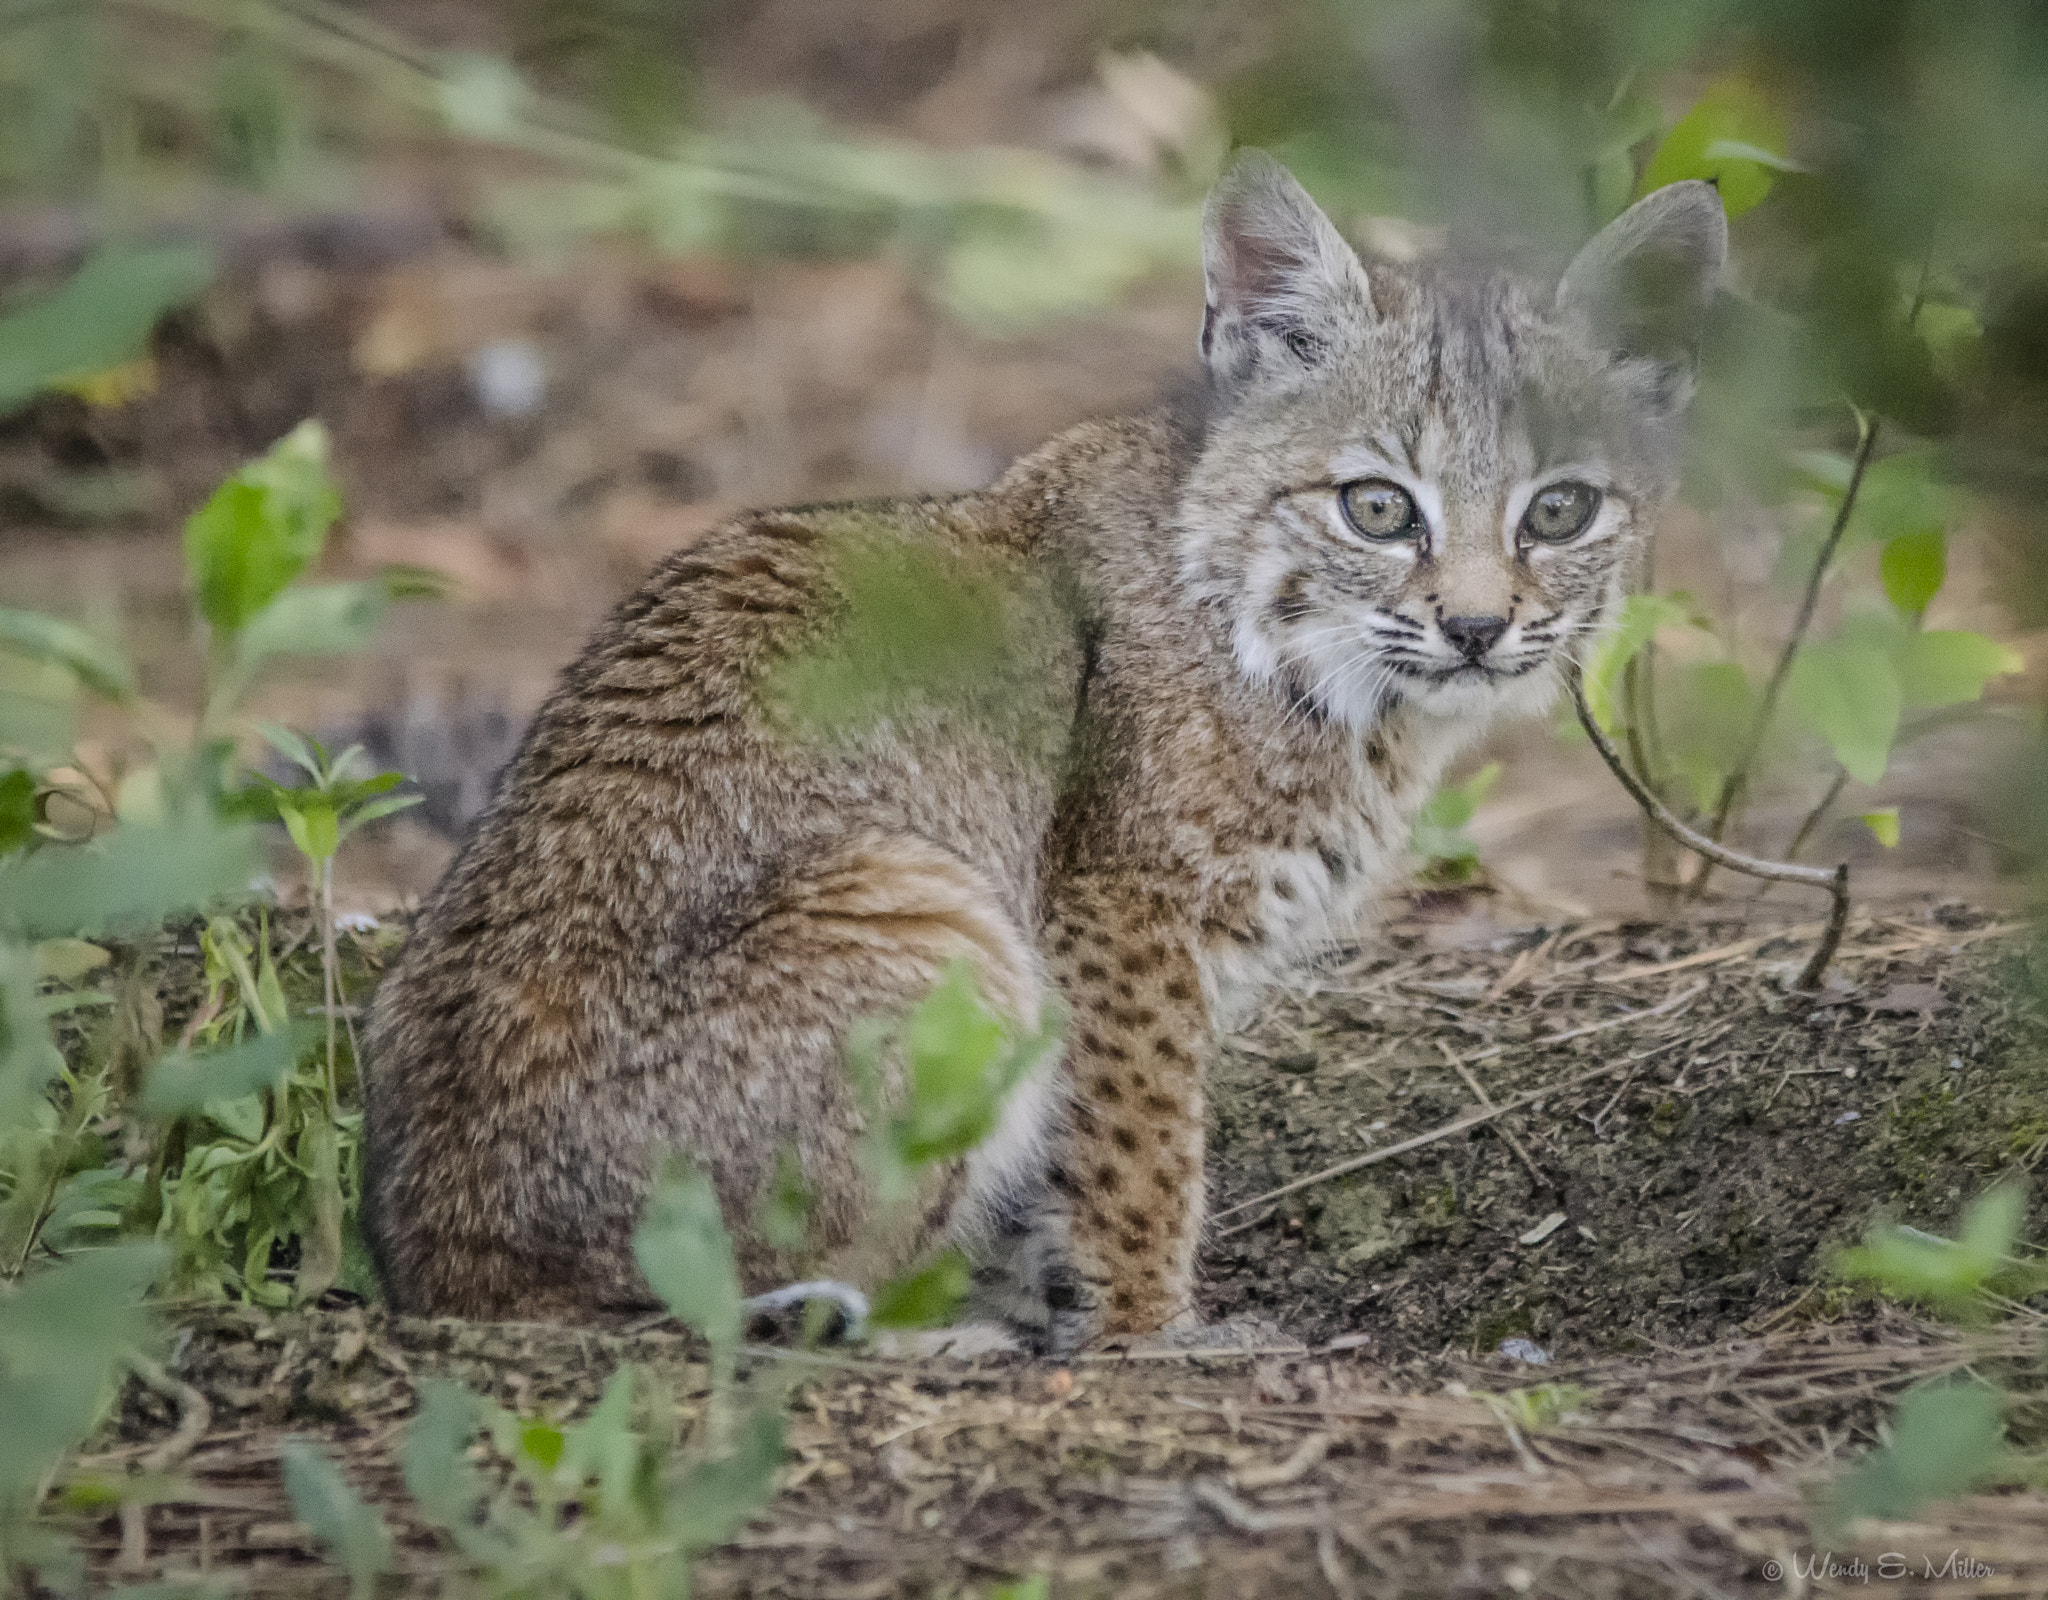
{"type": "Point", "coordinates": [1809, 602]}
{"type": "Point", "coordinates": [1813, 817]}
{"type": "Point", "coordinates": [1835, 880]}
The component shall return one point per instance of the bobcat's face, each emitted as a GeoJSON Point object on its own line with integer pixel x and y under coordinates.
{"type": "Point", "coordinates": [1423, 487]}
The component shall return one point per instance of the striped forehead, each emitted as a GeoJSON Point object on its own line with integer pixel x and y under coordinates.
{"type": "Point", "coordinates": [1452, 400]}
{"type": "Point", "coordinates": [1469, 389]}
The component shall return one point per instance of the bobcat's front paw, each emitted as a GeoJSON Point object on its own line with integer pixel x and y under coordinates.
{"type": "Point", "coordinates": [822, 1309]}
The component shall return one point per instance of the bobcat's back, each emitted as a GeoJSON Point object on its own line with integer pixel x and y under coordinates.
{"type": "Point", "coordinates": [658, 932]}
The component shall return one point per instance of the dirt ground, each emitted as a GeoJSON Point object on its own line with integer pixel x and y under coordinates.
{"type": "Point", "coordinates": [1703, 1138]}
{"type": "Point", "coordinates": [1692, 1137]}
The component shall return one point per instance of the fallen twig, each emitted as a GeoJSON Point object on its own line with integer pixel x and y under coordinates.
{"type": "Point", "coordinates": [195, 1416]}
{"type": "Point", "coordinates": [1479, 1093]}
{"type": "Point", "coordinates": [1499, 1108]}
{"type": "Point", "coordinates": [1725, 952]}
{"type": "Point", "coordinates": [1835, 881]}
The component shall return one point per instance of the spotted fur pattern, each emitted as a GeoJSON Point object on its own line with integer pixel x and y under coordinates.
{"type": "Point", "coordinates": [1229, 706]}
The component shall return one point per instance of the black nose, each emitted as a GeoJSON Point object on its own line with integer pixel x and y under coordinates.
{"type": "Point", "coordinates": [1474, 635]}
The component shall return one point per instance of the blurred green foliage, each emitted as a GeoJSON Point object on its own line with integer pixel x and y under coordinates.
{"type": "Point", "coordinates": [1878, 164]}
{"type": "Point", "coordinates": [229, 1153]}
{"type": "Point", "coordinates": [100, 317]}
{"type": "Point", "coordinates": [1952, 1276]}
{"type": "Point", "coordinates": [609, 1508]}
{"type": "Point", "coordinates": [1448, 855]}
{"type": "Point", "coordinates": [1945, 1439]}
{"type": "Point", "coordinates": [1947, 1436]}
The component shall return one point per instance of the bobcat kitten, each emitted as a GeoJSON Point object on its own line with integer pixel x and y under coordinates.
{"type": "Point", "coordinates": [1248, 643]}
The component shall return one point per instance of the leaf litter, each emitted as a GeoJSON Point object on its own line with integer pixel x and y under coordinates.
{"type": "Point", "coordinates": [1706, 1381]}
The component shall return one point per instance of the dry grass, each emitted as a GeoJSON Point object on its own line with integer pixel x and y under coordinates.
{"type": "Point", "coordinates": [1680, 1473]}
{"type": "Point", "coordinates": [1388, 1461]}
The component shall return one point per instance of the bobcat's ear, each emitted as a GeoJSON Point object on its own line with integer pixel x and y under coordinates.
{"type": "Point", "coordinates": [1282, 283]}
{"type": "Point", "coordinates": [1644, 282]}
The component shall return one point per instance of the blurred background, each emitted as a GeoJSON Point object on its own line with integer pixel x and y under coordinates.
{"type": "Point", "coordinates": [568, 280]}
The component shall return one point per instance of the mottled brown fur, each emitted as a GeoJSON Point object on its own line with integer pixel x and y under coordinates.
{"type": "Point", "coordinates": [660, 932]}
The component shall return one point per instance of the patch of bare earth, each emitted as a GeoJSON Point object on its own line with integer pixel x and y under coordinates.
{"type": "Point", "coordinates": [1685, 1114]}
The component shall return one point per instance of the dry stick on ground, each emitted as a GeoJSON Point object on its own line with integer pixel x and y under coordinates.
{"type": "Point", "coordinates": [1543, 1184]}
{"type": "Point", "coordinates": [195, 1416]}
{"type": "Point", "coordinates": [1476, 1118]}
{"type": "Point", "coordinates": [1835, 881]}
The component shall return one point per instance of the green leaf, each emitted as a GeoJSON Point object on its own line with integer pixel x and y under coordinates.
{"type": "Point", "coordinates": [481, 95]}
{"type": "Point", "coordinates": [1901, 496]}
{"type": "Point", "coordinates": [1439, 836]}
{"type": "Point", "coordinates": [1947, 668]}
{"type": "Point", "coordinates": [1991, 1227]}
{"type": "Point", "coordinates": [1947, 1438]}
{"type": "Point", "coordinates": [310, 820]}
{"type": "Point", "coordinates": [1953, 336]}
{"type": "Point", "coordinates": [1848, 692]}
{"type": "Point", "coordinates": [295, 747]}
{"type": "Point", "coordinates": [350, 1527]}
{"type": "Point", "coordinates": [1883, 824]}
{"type": "Point", "coordinates": [99, 667]}
{"type": "Point", "coordinates": [708, 1503]}
{"type": "Point", "coordinates": [603, 1445]}
{"type": "Point", "coordinates": [377, 809]}
{"type": "Point", "coordinates": [261, 529]}
{"type": "Point", "coordinates": [541, 1443]}
{"type": "Point", "coordinates": [437, 1471]}
{"type": "Point", "coordinates": [101, 318]}
{"type": "Point", "coordinates": [1635, 625]}
{"type": "Point", "coordinates": [1946, 1273]}
{"type": "Point", "coordinates": [183, 1081]}
{"type": "Point", "coordinates": [686, 1253]}
{"type": "Point", "coordinates": [1733, 137]}
{"type": "Point", "coordinates": [64, 1329]}
{"type": "Point", "coordinates": [37, 723]}
{"type": "Point", "coordinates": [17, 810]}
{"type": "Point", "coordinates": [1914, 566]}
{"type": "Point", "coordinates": [914, 629]}
{"type": "Point", "coordinates": [963, 1061]}
{"type": "Point", "coordinates": [926, 1298]}
{"type": "Point", "coordinates": [784, 1218]}
{"type": "Point", "coordinates": [134, 877]}
{"type": "Point", "coordinates": [68, 960]}
{"type": "Point", "coordinates": [322, 619]}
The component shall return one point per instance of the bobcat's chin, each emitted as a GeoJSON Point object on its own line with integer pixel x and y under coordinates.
{"type": "Point", "coordinates": [1479, 693]}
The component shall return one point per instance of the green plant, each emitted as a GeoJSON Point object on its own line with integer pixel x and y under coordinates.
{"type": "Point", "coordinates": [933, 1085]}
{"type": "Point", "coordinates": [1698, 732]}
{"type": "Point", "coordinates": [1947, 1436]}
{"type": "Point", "coordinates": [1951, 1276]}
{"type": "Point", "coordinates": [99, 319]}
{"type": "Point", "coordinates": [67, 1324]}
{"type": "Point", "coordinates": [609, 1508]}
{"type": "Point", "coordinates": [1448, 855]}
{"type": "Point", "coordinates": [216, 1145]}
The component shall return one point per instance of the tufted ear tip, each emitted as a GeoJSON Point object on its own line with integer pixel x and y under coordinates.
{"type": "Point", "coordinates": [1280, 278]}
{"type": "Point", "coordinates": [1646, 280]}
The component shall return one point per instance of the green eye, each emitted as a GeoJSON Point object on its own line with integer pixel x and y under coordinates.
{"type": "Point", "coordinates": [1377, 509]}
{"type": "Point", "coordinates": [1560, 512]}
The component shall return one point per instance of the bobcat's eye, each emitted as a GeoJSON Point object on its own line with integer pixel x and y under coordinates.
{"type": "Point", "coordinates": [1560, 512]}
{"type": "Point", "coordinates": [1377, 509]}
